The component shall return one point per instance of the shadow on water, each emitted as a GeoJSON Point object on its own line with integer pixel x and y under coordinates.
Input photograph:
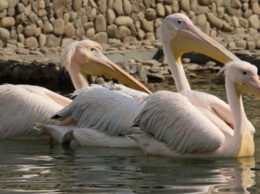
{"type": "Point", "coordinates": [33, 166]}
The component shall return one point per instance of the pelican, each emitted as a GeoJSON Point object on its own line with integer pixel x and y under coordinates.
{"type": "Point", "coordinates": [175, 127]}
{"type": "Point", "coordinates": [113, 114]}
{"type": "Point", "coordinates": [21, 106]}
{"type": "Point", "coordinates": [176, 29]}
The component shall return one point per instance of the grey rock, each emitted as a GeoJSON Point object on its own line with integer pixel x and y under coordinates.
{"type": "Point", "coordinates": [247, 13]}
{"type": "Point", "coordinates": [33, 18]}
{"type": "Point", "coordinates": [112, 31]}
{"type": "Point", "coordinates": [201, 20]}
{"type": "Point", "coordinates": [160, 10]}
{"type": "Point", "coordinates": [42, 40]}
{"type": "Point", "coordinates": [47, 28]}
{"type": "Point", "coordinates": [102, 6]}
{"type": "Point", "coordinates": [243, 22]}
{"type": "Point", "coordinates": [232, 45]}
{"type": "Point", "coordinates": [35, 6]}
{"type": "Point", "coordinates": [251, 45]}
{"type": "Point", "coordinates": [92, 15]}
{"type": "Point", "coordinates": [31, 43]}
{"type": "Point", "coordinates": [76, 5]}
{"type": "Point", "coordinates": [214, 21]}
{"type": "Point", "coordinates": [69, 30]}
{"type": "Point", "coordinates": [90, 32]}
{"type": "Point", "coordinates": [78, 23]}
{"type": "Point", "coordinates": [88, 25]}
{"type": "Point", "coordinates": [254, 21]}
{"type": "Point", "coordinates": [236, 4]}
{"type": "Point", "coordinates": [123, 31]}
{"type": "Point", "coordinates": [3, 4]}
{"type": "Point", "coordinates": [101, 37]}
{"type": "Point", "coordinates": [53, 41]}
{"type": "Point", "coordinates": [185, 5]}
{"type": "Point", "coordinates": [175, 6]}
{"type": "Point", "coordinates": [118, 7]}
{"type": "Point", "coordinates": [66, 18]}
{"type": "Point", "coordinates": [41, 4]}
{"type": "Point", "coordinates": [256, 8]}
{"type": "Point", "coordinates": [66, 41]}
{"type": "Point", "coordinates": [74, 15]}
{"type": "Point", "coordinates": [29, 30]}
{"type": "Point", "coordinates": [7, 22]}
{"type": "Point", "coordinates": [12, 3]}
{"type": "Point", "coordinates": [58, 27]}
{"type": "Point", "coordinates": [58, 7]}
{"type": "Point", "coordinates": [124, 21]}
{"type": "Point", "coordinates": [147, 26]}
{"type": "Point", "coordinates": [80, 33]}
{"type": "Point", "coordinates": [21, 38]}
{"type": "Point", "coordinates": [11, 12]}
{"type": "Point", "coordinates": [241, 44]}
{"type": "Point", "coordinates": [127, 7]}
{"type": "Point", "coordinates": [168, 9]}
{"type": "Point", "coordinates": [4, 34]}
{"type": "Point", "coordinates": [100, 23]}
{"type": "Point", "coordinates": [42, 13]}
{"type": "Point", "coordinates": [235, 22]}
{"type": "Point", "coordinates": [110, 16]}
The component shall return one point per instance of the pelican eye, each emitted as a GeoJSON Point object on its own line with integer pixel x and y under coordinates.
{"type": "Point", "coordinates": [179, 21]}
{"type": "Point", "coordinates": [244, 72]}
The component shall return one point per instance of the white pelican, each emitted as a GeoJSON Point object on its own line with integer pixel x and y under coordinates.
{"type": "Point", "coordinates": [103, 111]}
{"type": "Point", "coordinates": [175, 127]}
{"type": "Point", "coordinates": [175, 31]}
{"type": "Point", "coordinates": [21, 106]}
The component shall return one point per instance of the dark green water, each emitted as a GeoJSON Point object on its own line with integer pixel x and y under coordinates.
{"type": "Point", "coordinates": [33, 166]}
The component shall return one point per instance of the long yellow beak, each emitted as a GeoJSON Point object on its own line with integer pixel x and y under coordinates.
{"type": "Point", "coordinates": [99, 64]}
{"type": "Point", "coordinates": [194, 40]}
{"type": "Point", "coordinates": [251, 86]}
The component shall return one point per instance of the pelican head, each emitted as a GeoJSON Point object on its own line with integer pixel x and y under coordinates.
{"type": "Point", "coordinates": [179, 34]}
{"type": "Point", "coordinates": [85, 57]}
{"type": "Point", "coordinates": [244, 76]}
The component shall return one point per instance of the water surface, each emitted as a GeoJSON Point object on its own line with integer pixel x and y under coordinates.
{"type": "Point", "coordinates": [33, 166]}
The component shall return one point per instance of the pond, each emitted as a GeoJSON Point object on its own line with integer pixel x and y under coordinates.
{"type": "Point", "coordinates": [34, 166]}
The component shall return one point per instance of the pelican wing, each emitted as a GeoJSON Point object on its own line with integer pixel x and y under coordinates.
{"type": "Point", "coordinates": [174, 120]}
{"type": "Point", "coordinates": [22, 106]}
{"type": "Point", "coordinates": [47, 94]}
{"type": "Point", "coordinates": [104, 110]}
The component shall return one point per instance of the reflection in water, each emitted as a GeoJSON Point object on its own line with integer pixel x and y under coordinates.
{"type": "Point", "coordinates": [105, 170]}
{"type": "Point", "coordinates": [32, 166]}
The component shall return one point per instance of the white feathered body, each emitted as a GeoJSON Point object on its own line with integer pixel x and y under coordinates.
{"type": "Point", "coordinates": [175, 127]}
{"type": "Point", "coordinates": [21, 106]}
{"type": "Point", "coordinates": [103, 117]}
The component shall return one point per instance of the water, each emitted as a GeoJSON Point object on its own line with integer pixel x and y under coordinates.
{"type": "Point", "coordinates": [33, 166]}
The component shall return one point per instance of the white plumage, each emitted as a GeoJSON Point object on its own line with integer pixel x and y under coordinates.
{"type": "Point", "coordinates": [178, 36]}
{"type": "Point", "coordinates": [21, 106]}
{"type": "Point", "coordinates": [176, 127]}
{"type": "Point", "coordinates": [99, 122]}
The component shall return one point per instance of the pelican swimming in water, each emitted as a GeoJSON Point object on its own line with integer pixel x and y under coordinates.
{"type": "Point", "coordinates": [113, 113]}
{"type": "Point", "coordinates": [174, 126]}
{"type": "Point", "coordinates": [21, 106]}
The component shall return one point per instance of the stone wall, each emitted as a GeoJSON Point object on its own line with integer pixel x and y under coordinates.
{"type": "Point", "coordinates": [55, 23]}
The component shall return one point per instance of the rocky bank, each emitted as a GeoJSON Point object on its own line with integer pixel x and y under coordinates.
{"type": "Point", "coordinates": [33, 32]}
